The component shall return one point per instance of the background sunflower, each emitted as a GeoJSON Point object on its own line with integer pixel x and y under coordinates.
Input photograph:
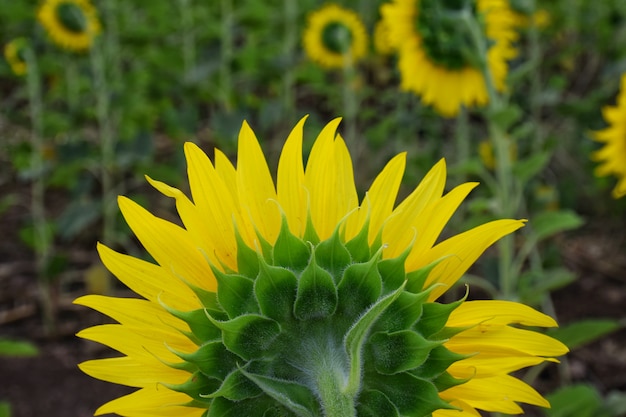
{"type": "Point", "coordinates": [13, 55]}
{"type": "Point", "coordinates": [72, 24]}
{"type": "Point", "coordinates": [335, 36]}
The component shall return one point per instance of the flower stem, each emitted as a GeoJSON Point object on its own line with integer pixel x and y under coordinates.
{"type": "Point", "coordinates": [37, 205]}
{"type": "Point", "coordinates": [330, 383]}
{"type": "Point", "coordinates": [350, 103]}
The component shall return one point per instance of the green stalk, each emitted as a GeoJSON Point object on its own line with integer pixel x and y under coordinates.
{"type": "Point", "coordinates": [227, 52]}
{"type": "Point", "coordinates": [71, 80]}
{"type": "Point", "coordinates": [350, 103]}
{"type": "Point", "coordinates": [189, 41]}
{"type": "Point", "coordinates": [37, 205]}
{"type": "Point", "coordinates": [290, 10]}
{"type": "Point", "coordinates": [462, 138]}
{"type": "Point", "coordinates": [503, 168]}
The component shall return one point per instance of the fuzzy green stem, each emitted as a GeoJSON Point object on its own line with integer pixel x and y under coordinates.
{"type": "Point", "coordinates": [330, 382]}
{"type": "Point", "coordinates": [290, 9]}
{"type": "Point", "coordinates": [227, 52]}
{"type": "Point", "coordinates": [504, 174]}
{"type": "Point", "coordinates": [37, 205]}
{"type": "Point", "coordinates": [188, 39]}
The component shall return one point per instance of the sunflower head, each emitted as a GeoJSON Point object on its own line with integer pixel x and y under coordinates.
{"type": "Point", "coordinates": [438, 54]}
{"type": "Point", "coordinates": [294, 299]}
{"type": "Point", "coordinates": [14, 54]}
{"type": "Point", "coordinates": [335, 37]}
{"type": "Point", "coordinates": [72, 24]}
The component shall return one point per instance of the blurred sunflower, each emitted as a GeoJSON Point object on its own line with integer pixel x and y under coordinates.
{"type": "Point", "coordinates": [612, 156]}
{"type": "Point", "coordinates": [72, 24]}
{"type": "Point", "coordinates": [381, 38]}
{"type": "Point", "coordinates": [13, 52]}
{"type": "Point", "coordinates": [293, 299]}
{"type": "Point", "coordinates": [335, 37]}
{"type": "Point", "coordinates": [437, 57]}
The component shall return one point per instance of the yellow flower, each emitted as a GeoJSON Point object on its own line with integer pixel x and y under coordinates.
{"type": "Point", "coordinates": [335, 37]}
{"type": "Point", "coordinates": [541, 19]}
{"type": "Point", "coordinates": [13, 55]}
{"type": "Point", "coordinates": [72, 24]}
{"type": "Point", "coordinates": [434, 59]}
{"type": "Point", "coordinates": [612, 156]}
{"type": "Point", "coordinates": [292, 297]}
{"type": "Point", "coordinates": [486, 154]}
{"type": "Point", "coordinates": [381, 41]}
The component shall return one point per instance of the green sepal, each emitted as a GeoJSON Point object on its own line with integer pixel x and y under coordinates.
{"type": "Point", "coordinates": [358, 246]}
{"type": "Point", "coordinates": [360, 286]}
{"type": "Point", "coordinates": [435, 317]}
{"type": "Point", "coordinates": [445, 381]}
{"type": "Point", "coordinates": [355, 338]}
{"type": "Point", "coordinates": [293, 396]}
{"type": "Point", "coordinates": [201, 329]}
{"type": "Point", "coordinates": [249, 336]}
{"type": "Point", "coordinates": [317, 295]}
{"type": "Point", "coordinates": [439, 360]}
{"type": "Point", "coordinates": [373, 403]}
{"type": "Point", "coordinates": [255, 407]}
{"type": "Point", "coordinates": [208, 299]}
{"type": "Point", "coordinates": [332, 255]}
{"type": "Point", "coordinates": [212, 359]}
{"type": "Point", "coordinates": [393, 272]}
{"type": "Point", "coordinates": [290, 251]}
{"type": "Point", "coordinates": [275, 290]}
{"type": "Point", "coordinates": [403, 313]}
{"type": "Point", "coordinates": [416, 279]}
{"type": "Point", "coordinates": [310, 234]}
{"type": "Point", "coordinates": [412, 396]}
{"type": "Point", "coordinates": [235, 293]}
{"type": "Point", "coordinates": [236, 387]}
{"type": "Point", "coordinates": [401, 351]}
{"type": "Point", "coordinates": [247, 263]}
{"type": "Point", "coordinates": [196, 386]}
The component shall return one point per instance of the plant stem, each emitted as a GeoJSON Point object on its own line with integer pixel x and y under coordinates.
{"type": "Point", "coordinates": [37, 205]}
{"type": "Point", "coordinates": [350, 103]}
{"type": "Point", "coordinates": [330, 382]}
{"type": "Point", "coordinates": [227, 52]}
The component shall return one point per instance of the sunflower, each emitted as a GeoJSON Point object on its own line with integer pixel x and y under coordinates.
{"type": "Point", "coordinates": [612, 156]}
{"type": "Point", "coordinates": [13, 52]}
{"type": "Point", "coordinates": [381, 41]}
{"type": "Point", "coordinates": [436, 56]}
{"type": "Point", "coordinates": [335, 36]}
{"type": "Point", "coordinates": [72, 24]}
{"type": "Point", "coordinates": [294, 299]}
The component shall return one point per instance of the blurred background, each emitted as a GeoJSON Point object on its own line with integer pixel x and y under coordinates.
{"type": "Point", "coordinates": [96, 94]}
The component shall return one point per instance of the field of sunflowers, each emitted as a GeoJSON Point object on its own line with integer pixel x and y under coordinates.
{"type": "Point", "coordinates": [304, 208]}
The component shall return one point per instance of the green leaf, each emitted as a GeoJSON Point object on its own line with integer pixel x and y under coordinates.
{"type": "Point", "coordinates": [358, 246]}
{"type": "Point", "coordinates": [236, 387]}
{"type": "Point", "coordinates": [439, 360]}
{"type": "Point", "coordinates": [373, 403]}
{"type": "Point", "coordinates": [411, 395]}
{"type": "Point", "coordinates": [235, 293]}
{"type": "Point", "coordinates": [575, 401]}
{"type": "Point", "coordinates": [333, 256]}
{"type": "Point", "coordinates": [399, 351]}
{"type": "Point", "coordinates": [255, 407]}
{"type": "Point", "coordinates": [524, 170]}
{"type": "Point", "coordinates": [249, 336]}
{"type": "Point", "coordinates": [403, 312]}
{"type": "Point", "coordinates": [247, 258]}
{"type": "Point", "coordinates": [199, 322]}
{"type": "Point", "coordinates": [290, 251]}
{"type": "Point", "coordinates": [392, 271]}
{"type": "Point", "coordinates": [360, 287]}
{"type": "Point", "coordinates": [505, 117]}
{"type": "Point", "coordinates": [434, 317]}
{"type": "Point", "coordinates": [17, 348]}
{"type": "Point", "coordinates": [317, 295]}
{"type": "Point", "coordinates": [583, 332]}
{"type": "Point", "coordinates": [5, 409]}
{"type": "Point", "coordinates": [549, 223]}
{"type": "Point", "coordinates": [291, 395]}
{"type": "Point", "coordinates": [212, 359]}
{"type": "Point", "coordinates": [197, 386]}
{"type": "Point", "coordinates": [275, 290]}
{"type": "Point", "coordinates": [355, 338]}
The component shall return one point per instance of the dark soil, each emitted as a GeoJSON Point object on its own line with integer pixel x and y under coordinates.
{"type": "Point", "coordinates": [51, 385]}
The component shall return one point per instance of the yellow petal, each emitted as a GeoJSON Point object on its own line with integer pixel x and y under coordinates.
{"type": "Point", "coordinates": [488, 339]}
{"type": "Point", "coordinates": [152, 401]}
{"type": "Point", "coordinates": [170, 245]}
{"type": "Point", "coordinates": [346, 199]}
{"type": "Point", "coordinates": [149, 280]}
{"type": "Point", "coordinates": [255, 186]}
{"type": "Point", "coordinates": [459, 252]}
{"type": "Point", "coordinates": [143, 344]}
{"type": "Point", "coordinates": [129, 372]}
{"type": "Point", "coordinates": [227, 172]}
{"type": "Point", "coordinates": [133, 312]}
{"type": "Point", "coordinates": [497, 312]}
{"type": "Point", "coordinates": [291, 192]}
{"type": "Point", "coordinates": [321, 181]}
{"type": "Point", "coordinates": [489, 365]}
{"type": "Point", "coordinates": [397, 232]}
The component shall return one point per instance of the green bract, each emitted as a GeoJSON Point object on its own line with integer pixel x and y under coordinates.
{"type": "Point", "coordinates": [308, 328]}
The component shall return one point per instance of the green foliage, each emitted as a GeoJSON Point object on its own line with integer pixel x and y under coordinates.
{"type": "Point", "coordinates": [17, 348]}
